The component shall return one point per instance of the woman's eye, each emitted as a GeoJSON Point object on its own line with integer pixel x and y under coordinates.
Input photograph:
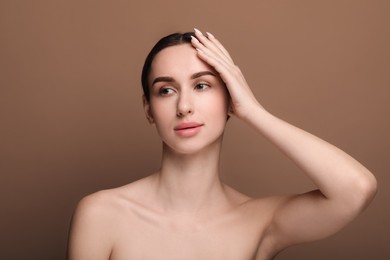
{"type": "Point", "coordinates": [201, 86]}
{"type": "Point", "coordinates": [165, 91]}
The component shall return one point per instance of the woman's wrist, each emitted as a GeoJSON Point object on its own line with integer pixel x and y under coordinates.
{"type": "Point", "coordinates": [251, 111]}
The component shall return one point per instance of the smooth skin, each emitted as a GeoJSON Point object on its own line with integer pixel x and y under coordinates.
{"type": "Point", "coordinates": [184, 211]}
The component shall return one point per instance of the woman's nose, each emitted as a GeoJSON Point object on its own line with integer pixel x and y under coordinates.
{"type": "Point", "coordinates": [184, 105]}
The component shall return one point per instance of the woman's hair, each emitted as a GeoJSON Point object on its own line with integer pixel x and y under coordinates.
{"type": "Point", "coordinates": [165, 42]}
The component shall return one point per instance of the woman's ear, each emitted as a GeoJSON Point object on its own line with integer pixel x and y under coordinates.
{"type": "Point", "coordinates": [147, 110]}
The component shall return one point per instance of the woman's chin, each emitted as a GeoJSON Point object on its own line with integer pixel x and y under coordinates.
{"type": "Point", "coordinates": [192, 148]}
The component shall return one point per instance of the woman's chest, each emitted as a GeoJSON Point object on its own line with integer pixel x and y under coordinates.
{"type": "Point", "coordinates": [232, 237]}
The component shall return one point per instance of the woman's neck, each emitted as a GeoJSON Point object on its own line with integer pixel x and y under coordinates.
{"type": "Point", "coordinates": [190, 183]}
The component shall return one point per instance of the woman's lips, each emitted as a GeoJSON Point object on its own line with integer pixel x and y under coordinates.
{"type": "Point", "coordinates": [188, 129]}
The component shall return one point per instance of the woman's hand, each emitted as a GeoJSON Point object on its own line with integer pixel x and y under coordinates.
{"type": "Point", "coordinates": [212, 52]}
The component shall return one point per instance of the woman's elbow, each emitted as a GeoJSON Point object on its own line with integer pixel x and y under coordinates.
{"type": "Point", "coordinates": [367, 189]}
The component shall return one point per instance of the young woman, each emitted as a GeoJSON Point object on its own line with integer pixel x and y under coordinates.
{"type": "Point", "coordinates": [183, 211]}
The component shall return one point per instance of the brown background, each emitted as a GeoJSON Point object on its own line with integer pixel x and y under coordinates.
{"type": "Point", "coordinates": [72, 121]}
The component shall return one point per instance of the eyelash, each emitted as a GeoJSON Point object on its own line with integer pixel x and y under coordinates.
{"type": "Point", "coordinates": [199, 87]}
{"type": "Point", "coordinates": [162, 90]}
{"type": "Point", "coordinates": [202, 84]}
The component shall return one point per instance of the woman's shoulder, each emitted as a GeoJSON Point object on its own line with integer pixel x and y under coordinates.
{"type": "Point", "coordinates": [256, 203]}
{"type": "Point", "coordinates": [99, 218]}
{"type": "Point", "coordinates": [111, 202]}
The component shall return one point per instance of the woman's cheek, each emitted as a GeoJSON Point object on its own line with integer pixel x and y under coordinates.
{"type": "Point", "coordinates": [218, 103]}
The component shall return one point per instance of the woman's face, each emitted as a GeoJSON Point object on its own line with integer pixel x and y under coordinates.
{"type": "Point", "coordinates": [188, 100]}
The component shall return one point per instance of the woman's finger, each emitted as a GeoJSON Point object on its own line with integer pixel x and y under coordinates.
{"type": "Point", "coordinates": [218, 44]}
{"type": "Point", "coordinates": [212, 46]}
{"type": "Point", "coordinates": [220, 64]}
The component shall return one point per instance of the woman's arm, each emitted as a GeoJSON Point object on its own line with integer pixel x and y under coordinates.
{"type": "Point", "coordinates": [345, 187]}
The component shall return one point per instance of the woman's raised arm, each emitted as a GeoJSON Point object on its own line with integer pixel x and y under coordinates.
{"type": "Point", "coordinates": [345, 187]}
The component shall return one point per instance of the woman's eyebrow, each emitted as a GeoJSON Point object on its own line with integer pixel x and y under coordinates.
{"type": "Point", "coordinates": [202, 73]}
{"type": "Point", "coordinates": [193, 76]}
{"type": "Point", "coordinates": [162, 79]}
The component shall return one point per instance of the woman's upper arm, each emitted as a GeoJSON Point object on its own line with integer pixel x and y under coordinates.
{"type": "Point", "coordinates": [88, 238]}
{"type": "Point", "coordinates": [308, 217]}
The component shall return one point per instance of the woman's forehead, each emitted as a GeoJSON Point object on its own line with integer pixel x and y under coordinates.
{"type": "Point", "coordinates": [177, 59]}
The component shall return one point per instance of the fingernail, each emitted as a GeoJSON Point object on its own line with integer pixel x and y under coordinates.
{"type": "Point", "coordinates": [209, 35]}
{"type": "Point", "coordinates": [197, 31]}
{"type": "Point", "coordinates": [194, 38]}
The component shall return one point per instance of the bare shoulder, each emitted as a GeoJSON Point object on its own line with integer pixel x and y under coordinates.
{"type": "Point", "coordinates": [261, 211]}
{"type": "Point", "coordinates": [269, 204]}
{"type": "Point", "coordinates": [113, 202]}
{"type": "Point", "coordinates": [101, 204]}
{"type": "Point", "coordinates": [97, 221]}
{"type": "Point", "coordinates": [259, 214]}
{"type": "Point", "coordinates": [263, 205]}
